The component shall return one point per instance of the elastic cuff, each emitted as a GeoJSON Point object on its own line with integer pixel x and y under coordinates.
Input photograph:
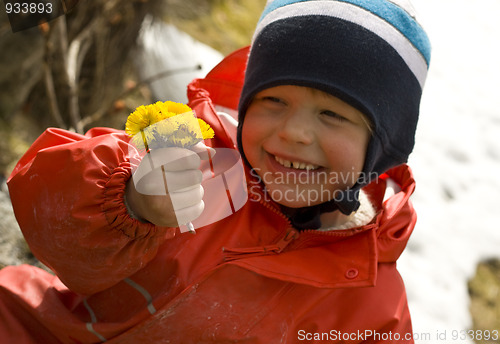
{"type": "Point", "coordinates": [119, 215]}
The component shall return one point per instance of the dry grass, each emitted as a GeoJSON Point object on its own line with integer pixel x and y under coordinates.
{"type": "Point", "coordinates": [225, 25]}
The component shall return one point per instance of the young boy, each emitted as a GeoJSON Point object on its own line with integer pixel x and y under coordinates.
{"type": "Point", "coordinates": [326, 119]}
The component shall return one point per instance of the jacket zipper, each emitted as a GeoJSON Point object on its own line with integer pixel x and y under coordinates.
{"type": "Point", "coordinates": [290, 235]}
{"type": "Point", "coordinates": [310, 234]}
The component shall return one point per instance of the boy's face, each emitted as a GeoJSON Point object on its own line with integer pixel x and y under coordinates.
{"type": "Point", "coordinates": [304, 144]}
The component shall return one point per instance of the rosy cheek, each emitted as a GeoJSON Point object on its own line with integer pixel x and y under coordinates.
{"type": "Point", "coordinates": [345, 155]}
{"type": "Point", "coordinates": [249, 139]}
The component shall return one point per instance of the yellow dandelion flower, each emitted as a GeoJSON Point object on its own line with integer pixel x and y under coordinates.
{"type": "Point", "coordinates": [177, 108]}
{"type": "Point", "coordinates": [192, 127]}
{"type": "Point", "coordinates": [141, 118]}
{"type": "Point", "coordinates": [169, 109]}
{"type": "Point", "coordinates": [166, 127]}
{"type": "Point", "coordinates": [144, 138]}
{"type": "Point", "coordinates": [165, 124]}
{"type": "Point", "coordinates": [163, 110]}
{"type": "Point", "coordinates": [184, 137]}
{"type": "Point", "coordinates": [206, 131]}
{"type": "Point", "coordinates": [183, 141]}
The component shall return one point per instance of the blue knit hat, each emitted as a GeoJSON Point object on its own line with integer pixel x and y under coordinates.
{"type": "Point", "coordinates": [372, 54]}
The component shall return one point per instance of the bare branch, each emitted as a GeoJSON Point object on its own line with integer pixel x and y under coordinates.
{"type": "Point", "coordinates": [51, 94]}
{"type": "Point", "coordinates": [49, 83]}
{"type": "Point", "coordinates": [74, 60]}
{"type": "Point", "coordinates": [104, 109]}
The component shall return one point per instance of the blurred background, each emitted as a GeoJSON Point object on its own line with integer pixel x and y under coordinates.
{"type": "Point", "coordinates": [96, 64]}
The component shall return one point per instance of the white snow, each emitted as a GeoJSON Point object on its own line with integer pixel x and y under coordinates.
{"type": "Point", "coordinates": [456, 163]}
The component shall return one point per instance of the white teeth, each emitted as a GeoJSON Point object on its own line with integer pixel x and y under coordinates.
{"type": "Point", "coordinates": [295, 164]}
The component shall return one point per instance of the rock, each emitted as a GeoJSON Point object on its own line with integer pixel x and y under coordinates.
{"type": "Point", "coordinates": [13, 247]}
{"type": "Point", "coordinates": [484, 291]}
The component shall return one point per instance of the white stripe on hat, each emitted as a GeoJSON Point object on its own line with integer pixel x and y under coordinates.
{"type": "Point", "coordinates": [357, 15]}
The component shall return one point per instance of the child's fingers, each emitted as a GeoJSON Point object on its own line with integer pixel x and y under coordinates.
{"type": "Point", "coordinates": [187, 197]}
{"type": "Point", "coordinates": [178, 180]}
{"type": "Point", "coordinates": [175, 159]}
{"type": "Point", "coordinates": [171, 158]}
{"type": "Point", "coordinates": [188, 214]}
{"type": "Point", "coordinates": [161, 182]}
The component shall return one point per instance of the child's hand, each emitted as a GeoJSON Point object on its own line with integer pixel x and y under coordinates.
{"type": "Point", "coordinates": [166, 188]}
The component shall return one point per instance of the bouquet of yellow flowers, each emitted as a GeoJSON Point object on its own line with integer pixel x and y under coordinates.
{"type": "Point", "coordinates": [166, 124]}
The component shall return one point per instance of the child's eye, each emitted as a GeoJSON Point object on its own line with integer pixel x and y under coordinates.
{"type": "Point", "coordinates": [272, 99]}
{"type": "Point", "coordinates": [334, 115]}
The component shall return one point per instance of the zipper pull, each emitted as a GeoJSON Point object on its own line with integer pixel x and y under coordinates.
{"type": "Point", "coordinates": [291, 235]}
{"type": "Point", "coordinates": [247, 252]}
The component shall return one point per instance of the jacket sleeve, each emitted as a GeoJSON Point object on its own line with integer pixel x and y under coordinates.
{"type": "Point", "coordinates": [67, 193]}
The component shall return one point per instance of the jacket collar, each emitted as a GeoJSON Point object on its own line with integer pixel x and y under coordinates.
{"type": "Point", "coordinates": [340, 258]}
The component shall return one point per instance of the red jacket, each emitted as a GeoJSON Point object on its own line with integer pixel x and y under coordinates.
{"type": "Point", "coordinates": [249, 278]}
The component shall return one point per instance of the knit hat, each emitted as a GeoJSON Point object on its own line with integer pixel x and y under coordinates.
{"type": "Point", "coordinates": [372, 54]}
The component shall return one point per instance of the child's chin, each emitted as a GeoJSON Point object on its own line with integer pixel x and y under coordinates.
{"type": "Point", "coordinates": [295, 203]}
{"type": "Point", "coordinates": [299, 196]}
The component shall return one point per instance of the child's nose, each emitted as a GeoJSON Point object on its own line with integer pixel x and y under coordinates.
{"type": "Point", "coordinates": [296, 127]}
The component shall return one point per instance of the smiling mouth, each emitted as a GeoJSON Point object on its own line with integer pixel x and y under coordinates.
{"type": "Point", "coordinates": [296, 164]}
